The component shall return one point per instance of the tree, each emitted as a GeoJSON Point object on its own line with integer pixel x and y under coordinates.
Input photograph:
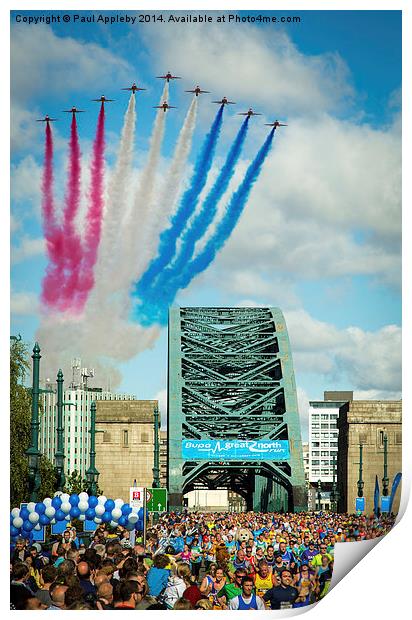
{"type": "Point", "coordinates": [20, 416]}
{"type": "Point", "coordinates": [76, 484]}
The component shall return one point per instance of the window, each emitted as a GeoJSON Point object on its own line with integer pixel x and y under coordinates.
{"type": "Point", "coordinates": [145, 437]}
{"type": "Point", "coordinates": [106, 437]}
{"type": "Point", "coordinates": [324, 417]}
{"type": "Point", "coordinates": [315, 472]}
{"type": "Point", "coordinates": [315, 444]}
{"type": "Point", "coordinates": [315, 426]}
{"type": "Point", "coordinates": [324, 453]}
{"type": "Point", "coordinates": [381, 435]}
{"type": "Point", "coordinates": [125, 438]}
{"type": "Point", "coordinates": [398, 438]}
{"type": "Point", "coordinates": [324, 425]}
{"type": "Point", "coordinates": [315, 462]}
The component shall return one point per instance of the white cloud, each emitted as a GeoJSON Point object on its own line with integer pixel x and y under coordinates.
{"type": "Point", "coordinates": [303, 408]}
{"type": "Point", "coordinates": [28, 248]}
{"type": "Point", "coordinates": [161, 396]}
{"type": "Point", "coordinates": [23, 303]}
{"type": "Point", "coordinates": [366, 360]}
{"type": "Point", "coordinates": [37, 58]}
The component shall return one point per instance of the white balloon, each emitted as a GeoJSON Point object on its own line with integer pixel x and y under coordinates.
{"type": "Point", "coordinates": [34, 517]}
{"type": "Point", "coordinates": [116, 514]}
{"type": "Point", "coordinates": [66, 507]}
{"type": "Point", "coordinates": [97, 520]}
{"type": "Point", "coordinates": [83, 506]}
{"type": "Point", "coordinates": [31, 506]}
{"type": "Point", "coordinates": [118, 503]}
{"type": "Point", "coordinates": [82, 517]}
{"type": "Point", "coordinates": [17, 522]}
{"type": "Point", "coordinates": [58, 494]}
{"type": "Point", "coordinates": [99, 510]}
{"type": "Point", "coordinates": [83, 496]}
{"type": "Point", "coordinates": [133, 517]}
{"type": "Point", "coordinates": [15, 512]}
{"type": "Point", "coordinates": [50, 512]}
{"type": "Point", "coordinates": [53, 521]}
{"type": "Point", "coordinates": [47, 501]}
{"type": "Point", "coordinates": [64, 497]}
{"type": "Point", "coordinates": [68, 518]}
{"type": "Point", "coordinates": [135, 510]}
{"type": "Point", "coordinates": [102, 499]}
{"type": "Point", "coordinates": [38, 527]}
{"type": "Point", "coordinates": [114, 523]}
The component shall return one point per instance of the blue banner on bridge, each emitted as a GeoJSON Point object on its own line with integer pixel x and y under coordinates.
{"type": "Point", "coordinates": [235, 450]}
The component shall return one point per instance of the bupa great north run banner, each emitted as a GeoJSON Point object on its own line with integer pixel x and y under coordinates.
{"type": "Point", "coordinates": [235, 450]}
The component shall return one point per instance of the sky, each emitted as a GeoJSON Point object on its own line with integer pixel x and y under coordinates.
{"type": "Point", "coordinates": [320, 236]}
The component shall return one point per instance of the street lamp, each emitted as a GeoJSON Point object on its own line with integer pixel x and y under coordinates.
{"type": "Point", "coordinates": [33, 453]}
{"type": "Point", "coordinates": [156, 468]}
{"type": "Point", "coordinates": [334, 496]}
{"type": "Point", "coordinates": [319, 494]}
{"type": "Point", "coordinates": [385, 479]}
{"type": "Point", "coordinates": [360, 483]}
{"type": "Point", "coordinates": [92, 474]}
{"type": "Point", "coordinates": [59, 454]}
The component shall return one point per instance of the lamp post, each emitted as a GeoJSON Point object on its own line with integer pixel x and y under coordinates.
{"type": "Point", "coordinates": [92, 475]}
{"type": "Point", "coordinates": [156, 468]}
{"type": "Point", "coordinates": [319, 494]}
{"type": "Point", "coordinates": [59, 454]}
{"type": "Point", "coordinates": [334, 496]}
{"type": "Point", "coordinates": [360, 483]}
{"type": "Point", "coordinates": [385, 479]}
{"type": "Point", "coordinates": [33, 452]}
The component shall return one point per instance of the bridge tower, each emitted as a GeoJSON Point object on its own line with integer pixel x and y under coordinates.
{"type": "Point", "coordinates": [233, 421]}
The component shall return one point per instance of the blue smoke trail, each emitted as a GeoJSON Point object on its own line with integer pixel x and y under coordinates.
{"type": "Point", "coordinates": [203, 219]}
{"type": "Point", "coordinates": [168, 238]}
{"type": "Point", "coordinates": [155, 310]}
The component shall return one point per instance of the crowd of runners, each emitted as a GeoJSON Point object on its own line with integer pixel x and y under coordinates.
{"type": "Point", "coordinates": [190, 561]}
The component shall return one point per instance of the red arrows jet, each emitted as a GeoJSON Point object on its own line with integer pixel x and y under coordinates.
{"type": "Point", "coordinates": [224, 101]}
{"type": "Point", "coordinates": [168, 77]}
{"type": "Point", "coordinates": [275, 124]}
{"type": "Point", "coordinates": [73, 111]}
{"type": "Point", "coordinates": [46, 119]}
{"type": "Point", "coordinates": [165, 106]}
{"type": "Point", "coordinates": [133, 88]}
{"type": "Point", "coordinates": [102, 99]}
{"type": "Point", "coordinates": [197, 91]}
{"type": "Point", "coordinates": [249, 113]}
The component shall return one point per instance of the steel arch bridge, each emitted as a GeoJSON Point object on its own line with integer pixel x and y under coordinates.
{"type": "Point", "coordinates": [231, 378]}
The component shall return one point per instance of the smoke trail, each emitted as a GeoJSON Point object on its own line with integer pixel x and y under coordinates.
{"type": "Point", "coordinates": [83, 279]}
{"type": "Point", "coordinates": [72, 248]}
{"type": "Point", "coordinates": [204, 218]}
{"type": "Point", "coordinates": [134, 234]}
{"type": "Point", "coordinates": [116, 214]}
{"type": "Point", "coordinates": [164, 204]}
{"type": "Point", "coordinates": [187, 206]}
{"type": "Point", "coordinates": [158, 311]}
{"type": "Point", "coordinates": [53, 236]}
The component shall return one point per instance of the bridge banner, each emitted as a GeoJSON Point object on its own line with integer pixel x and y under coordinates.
{"type": "Point", "coordinates": [235, 450]}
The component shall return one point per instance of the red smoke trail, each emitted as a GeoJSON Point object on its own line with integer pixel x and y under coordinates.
{"type": "Point", "coordinates": [94, 218]}
{"type": "Point", "coordinates": [72, 249]}
{"type": "Point", "coordinates": [53, 235]}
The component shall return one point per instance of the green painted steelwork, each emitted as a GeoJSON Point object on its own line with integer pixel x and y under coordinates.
{"type": "Point", "coordinates": [231, 377]}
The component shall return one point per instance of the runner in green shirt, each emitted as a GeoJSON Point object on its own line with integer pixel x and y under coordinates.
{"type": "Point", "coordinates": [230, 590]}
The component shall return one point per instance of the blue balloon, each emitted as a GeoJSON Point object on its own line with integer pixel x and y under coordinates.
{"type": "Point", "coordinates": [90, 514]}
{"type": "Point", "coordinates": [44, 520]}
{"type": "Point", "coordinates": [27, 526]}
{"type": "Point", "coordinates": [93, 501]}
{"type": "Point", "coordinates": [59, 516]}
{"type": "Point", "coordinates": [74, 499]}
{"type": "Point", "coordinates": [14, 531]}
{"type": "Point", "coordinates": [24, 514]}
{"type": "Point", "coordinates": [139, 525]}
{"type": "Point", "coordinates": [109, 505]}
{"type": "Point", "coordinates": [123, 521]}
{"type": "Point", "coordinates": [11, 519]}
{"type": "Point", "coordinates": [106, 517]}
{"type": "Point", "coordinates": [126, 510]}
{"type": "Point", "coordinates": [40, 508]}
{"type": "Point", "coordinates": [75, 512]}
{"type": "Point", "coordinates": [56, 502]}
{"type": "Point", "coordinates": [140, 513]}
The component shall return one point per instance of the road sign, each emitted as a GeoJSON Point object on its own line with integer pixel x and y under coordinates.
{"type": "Point", "coordinates": [385, 503]}
{"type": "Point", "coordinates": [136, 497]}
{"type": "Point", "coordinates": [156, 500]}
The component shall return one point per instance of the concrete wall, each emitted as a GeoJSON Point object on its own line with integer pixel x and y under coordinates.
{"type": "Point", "coordinates": [365, 422]}
{"type": "Point", "coordinates": [121, 458]}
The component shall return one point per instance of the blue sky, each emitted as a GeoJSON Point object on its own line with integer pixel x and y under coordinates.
{"type": "Point", "coordinates": [320, 235]}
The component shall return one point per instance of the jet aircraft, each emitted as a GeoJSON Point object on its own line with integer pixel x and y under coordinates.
{"type": "Point", "coordinates": [133, 88]}
{"type": "Point", "coordinates": [197, 91]}
{"type": "Point", "coordinates": [168, 77]}
{"type": "Point", "coordinates": [249, 113]}
{"type": "Point", "coordinates": [165, 106]}
{"type": "Point", "coordinates": [224, 101]}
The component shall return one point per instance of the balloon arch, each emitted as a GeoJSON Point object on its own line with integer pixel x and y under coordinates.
{"type": "Point", "coordinates": [63, 506]}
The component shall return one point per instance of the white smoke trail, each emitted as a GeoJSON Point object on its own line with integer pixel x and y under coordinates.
{"type": "Point", "coordinates": [116, 208]}
{"type": "Point", "coordinates": [161, 211]}
{"type": "Point", "coordinates": [133, 236]}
